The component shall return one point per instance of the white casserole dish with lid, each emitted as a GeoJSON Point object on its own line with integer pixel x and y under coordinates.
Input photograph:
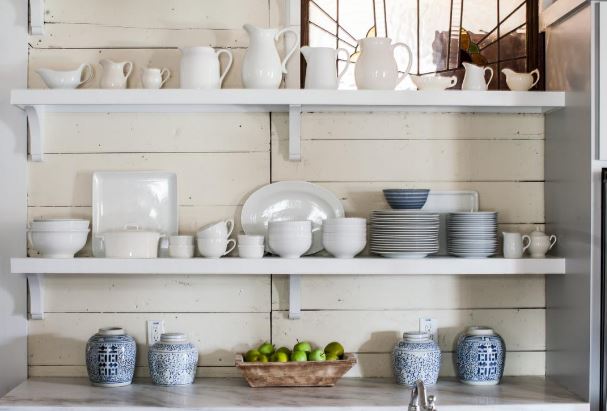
{"type": "Point", "coordinates": [132, 242]}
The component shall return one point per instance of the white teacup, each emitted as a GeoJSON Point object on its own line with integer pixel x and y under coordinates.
{"type": "Point", "coordinates": [181, 240]}
{"type": "Point", "coordinates": [250, 240]}
{"type": "Point", "coordinates": [181, 251]}
{"type": "Point", "coordinates": [218, 230]}
{"type": "Point", "coordinates": [514, 244]}
{"type": "Point", "coordinates": [154, 78]}
{"type": "Point", "coordinates": [215, 247]}
{"type": "Point", "coordinates": [251, 251]}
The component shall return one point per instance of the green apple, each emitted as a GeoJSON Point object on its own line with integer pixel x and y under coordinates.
{"type": "Point", "coordinates": [266, 349]}
{"type": "Point", "coordinates": [317, 355]}
{"type": "Point", "coordinates": [284, 350]}
{"type": "Point", "coordinates": [251, 355]}
{"type": "Point", "coordinates": [332, 357]}
{"type": "Point", "coordinates": [303, 346]}
{"type": "Point", "coordinates": [279, 356]}
{"type": "Point", "coordinates": [262, 358]}
{"type": "Point", "coordinates": [299, 356]}
{"type": "Point", "coordinates": [335, 348]}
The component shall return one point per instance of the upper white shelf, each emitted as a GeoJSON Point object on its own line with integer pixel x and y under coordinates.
{"type": "Point", "coordinates": [275, 265]}
{"type": "Point", "coordinates": [37, 102]}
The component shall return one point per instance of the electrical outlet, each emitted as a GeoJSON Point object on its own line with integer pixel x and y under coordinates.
{"type": "Point", "coordinates": [155, 328]}
{"type": "Point", "coordinates": [430, 326]}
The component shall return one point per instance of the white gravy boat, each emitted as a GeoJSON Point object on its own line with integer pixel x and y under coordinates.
{"type": "Point", "coordinates": [66, 79]}
{"type": "Point", "coordinates": [427, 83]}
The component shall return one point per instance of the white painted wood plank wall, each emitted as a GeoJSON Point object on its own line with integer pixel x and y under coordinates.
{"type": "Point", "coordinates": [221, 158]}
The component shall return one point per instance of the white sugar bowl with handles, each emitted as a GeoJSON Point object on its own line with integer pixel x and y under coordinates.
{"type": "Point", "coordinates": [541, 243]}
{"type": "Point", "coordinates": [376, 67]}
{"type": "Point", "coordinates": [200, 68]}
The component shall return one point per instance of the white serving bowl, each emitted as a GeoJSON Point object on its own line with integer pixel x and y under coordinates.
{"type": "Point", "coordinates": [251, 251]}
{"type": "Point", "coordinates": [290, 246]}
{"type": "Point", "coordinates": [304, 225]}
{"type": "Point", "coordinates": [346, 221]}
{"type": "Point", "coordinates": [58, 244]}
{"type": "Point", "coordinates": [59, 224]}
{"type": "Point", "coordinates": [344, 229]}
{"type": "Point", "coordinates": [342, 248]}
{"type": "Point", "coordinates": [181, 251]}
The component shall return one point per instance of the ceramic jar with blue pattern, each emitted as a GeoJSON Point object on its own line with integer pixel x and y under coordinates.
{"type": "Point", "coordinates": [173, 360]}
{"type": "Point", "coordinates": [480, 356]}
{"type": "Point", "coordinates": [416, 357]}
{"type": "Point", "coordinates": [110, 358]}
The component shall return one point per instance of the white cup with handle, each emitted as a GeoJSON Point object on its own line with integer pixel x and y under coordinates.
{"type": "Point", "coordinates": [514, 244]}
{"type": "Point", "coordinates": [219, 230]}
{"type": "Point", "coordinates": [215, 247]}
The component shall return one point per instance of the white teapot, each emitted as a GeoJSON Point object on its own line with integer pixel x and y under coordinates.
{"type": "Point", "coordinates": [540, 243]}
{"type": "Point", "coordinates": [320, 69]}
{"type": "Point", "coordinates": [115, 75]}
{"type": "Point", "coordinates": [376, 67]}
{"type": "Point", "coordinates": [521, 81]}
{"type": "Point", "coordinates": [474, 79]}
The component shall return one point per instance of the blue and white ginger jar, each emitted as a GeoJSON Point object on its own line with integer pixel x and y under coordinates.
{"type": "Point", "coordinates": [480, 356]}
{"type": "Point", "coordinates": [416, 357]}
{"type": "Point", "coordinates": [110, 358]}
{"type": "Point", "coordinates": [173, 360]}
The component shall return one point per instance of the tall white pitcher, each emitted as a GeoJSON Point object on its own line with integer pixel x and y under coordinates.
{"type": "Point", "coordinates": [376, 67]}
{"type": "Point", "coordinates": [474, 78]}
{"type": "Point", "coordinates": [262, 67]}
{"type": "Point", "coordinates": [320, 70]}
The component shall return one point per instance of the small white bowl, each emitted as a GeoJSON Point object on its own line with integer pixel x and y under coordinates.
{"type": "Point", "coordinates": [181, 251]}
{"type": "Point", "coordinates": [303, 225]}
{"type": "Point", "coordinates": [350, 221]}
{"type": "Point", "coordinates": [59, 224]}
{"type": "Point", "coordinates": [344, 248]}
{"type": "Point", "coordinates": [287, 246]}
{"type": "Point", "coordinates": [181, 240]}
{"type": "Point", "coordinates": [251, 251]}
{"type": "Point", "coordinates": [244, 239]}
{"type": "Point", "coordinates": [58, 244]}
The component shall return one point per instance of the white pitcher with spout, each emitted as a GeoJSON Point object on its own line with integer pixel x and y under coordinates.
{"type": "Point", "coordinates": [115, 75]}
{"type": "Point", "coordinates": [376, 67]}
{"type": "Point", "coordinates": [320, 69]}
{"type": "Point", "coordinates": [200, 67]}
{"type": "Point", "coordinates": [262, 67]}
{"type": "Point", "coordinates": [521, 81]}
{"type": "Point", "coordinates": [474, 79]}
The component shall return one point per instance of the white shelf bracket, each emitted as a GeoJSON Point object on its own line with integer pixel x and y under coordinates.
{"type": "Point", "coordinates": [36, 296]}
{"type": "Point", "coordinates": [294, 297]}
{"type": "Point", "coordinates": [37, 17]}
{"type": "Point", "coordinates": [295, 132]}
{"type": "Point", "coordinates": [35, 121]}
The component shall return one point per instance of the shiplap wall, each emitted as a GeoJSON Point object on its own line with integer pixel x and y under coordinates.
{"type": "Point", "coordinates": [221, 158]}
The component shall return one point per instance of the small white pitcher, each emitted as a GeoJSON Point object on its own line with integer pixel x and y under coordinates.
{"type": "Point", "coordinates": [115, 75]}
{"type": "Point", "coordinates": [521, 81]}
{"type": "Point", "coordinates": [320, 69]}
{"type": "Point", "coordinates": [514, 244]}
{"type": "Point", "coordinates": [474, 79]}
{"type": "Point", "coordinates": [154, 78]}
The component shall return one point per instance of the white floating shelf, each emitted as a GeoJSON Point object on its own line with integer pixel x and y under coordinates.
{"type": "Point", "coordinates": [36, 268]}
{"type": "Point", "coordinates": [38, 102]}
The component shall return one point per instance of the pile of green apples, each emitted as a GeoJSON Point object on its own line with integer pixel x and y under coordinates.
{"type": "Point", "coordinates": [302, 351]}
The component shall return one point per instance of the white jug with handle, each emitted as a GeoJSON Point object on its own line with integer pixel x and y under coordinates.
{"type": "Point", "coordinates": [521, 81]}
{"type": "Point", "coordinates": [200, 67]}
{"type": "Point", "coordinates": [320, 69]}
{"type": "Point", "coordinates": [115, 75]}
{"type": "Point", "coordinates": [376, 67]}
{"type": "Point", "coordinates": [262, 67]}
{"type": "Point", "coordinates": [474, 79]}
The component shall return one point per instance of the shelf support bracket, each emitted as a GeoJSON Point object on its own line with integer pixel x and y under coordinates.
{"type": "Point", "coordinates": [36, 296]}
{"type": "Point", "coordinates": [35, 121]}
{"type": "Point", "coordinates": [295, 132]}
{"type": "Point", "coordinates": [294, 296]}
{"type": "Point", "coordinates": [37, 17]}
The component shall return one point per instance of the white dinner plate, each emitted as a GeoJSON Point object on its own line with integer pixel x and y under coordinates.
{"type": "Point", "coordinates": [290, 201]}
{"type": "Point", "coordinates": [143, 199]}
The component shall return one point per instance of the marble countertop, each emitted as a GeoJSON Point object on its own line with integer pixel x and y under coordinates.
{"type": "Point", "coordinates": [232, 394]}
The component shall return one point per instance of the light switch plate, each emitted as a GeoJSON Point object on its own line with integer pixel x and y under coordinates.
{"type": "Point", "coordinates": [430, 326]}
{"type": "Point", "coordinates": [155, 329]}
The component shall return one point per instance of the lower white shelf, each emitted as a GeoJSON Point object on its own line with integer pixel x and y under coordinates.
{"type": "Point", "coordinates": [232, 394]}
{"type": "Point", "coordinates": [37, 268]}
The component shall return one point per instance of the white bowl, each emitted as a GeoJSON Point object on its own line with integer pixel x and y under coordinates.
{"type": "Point", "coordinates": [244, 239]}
{"type": "Point", "coordinates": [344, 229]}
{"type": "Point", "coordinates": [349, 221]}
{"type": "Point", "coordinates": [60, 224]}
{"type": "Point", "coordinates": [181, 240]}
{"type": "Point", "coordinates": [58, 244]}
{"type": "Point", "coordinates": [181, 251]}
{"type": "Point", "coordinates": [344, 249]}
{"type": "Point", "coordinates": [290, 246]}
{"type": "Point", "coordinates": [130, 243]}
{"type": "Point", "coordinates": [251, 251]}
{"type": "Point", "coordinates": [304, 225]}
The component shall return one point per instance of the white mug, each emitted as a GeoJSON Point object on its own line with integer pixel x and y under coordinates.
{"type": "Point", "coordinates": [153, 78]}
{"type": "Point", "coordinates": [514, 244]}
{"type": "Point", "coordinates": [221, 229]}
{"type": "Point", "coordinates": [215, 247]}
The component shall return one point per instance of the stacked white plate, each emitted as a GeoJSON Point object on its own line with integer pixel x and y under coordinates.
{"type": "Point", "coordinates": [472, 234]}
{"type": "Point", "coordinates": [404, 233]}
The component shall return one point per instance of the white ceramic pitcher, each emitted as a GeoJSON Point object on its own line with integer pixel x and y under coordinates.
{"type": "Point", "coordinates": [200, 68]}
{"type": "Point", "coordinates": [262, 67]}
{"type": "Point", "coordinates": [115, 75]}
{"type": "Point", "coordinates": [521, 81]}
{"type": "Point", "coordinates": [320, 69]}
{"type": "Point", "coordinates": [376, 67]}
{"type": "Point", "coordinates": [474, 79]}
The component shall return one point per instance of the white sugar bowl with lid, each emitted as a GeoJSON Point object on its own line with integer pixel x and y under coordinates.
{"type": "Point", "coordinates": [173, 360]}
{"type": "Point", "coordinates": [416, 357]}
{"type": "Point", "coordinates": [540, 243]}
